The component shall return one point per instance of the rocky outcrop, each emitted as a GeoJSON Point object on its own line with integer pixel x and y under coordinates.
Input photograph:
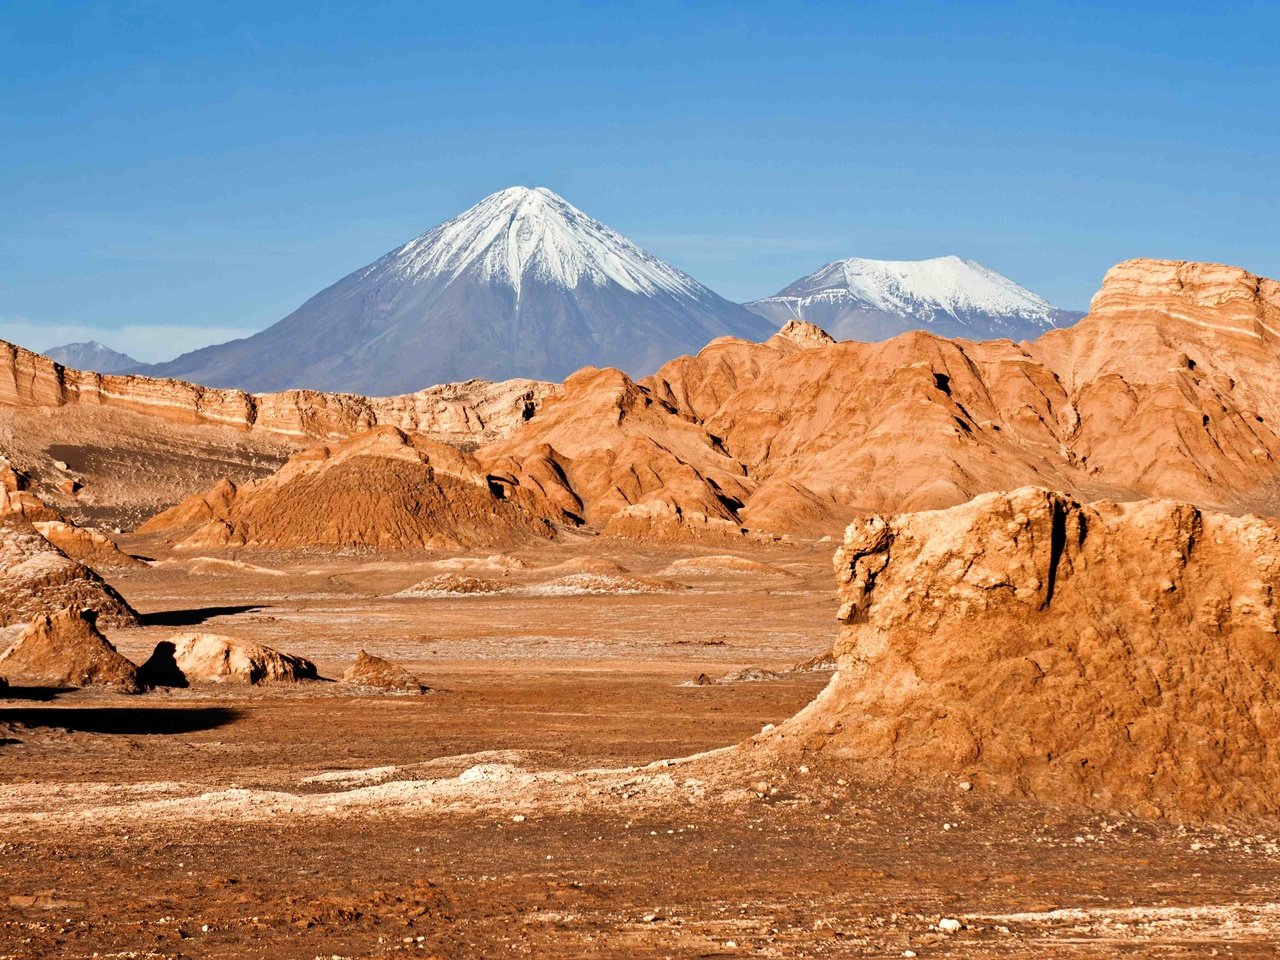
{"type": "Point", "coordinates": [65, 649]}
{"type": "Point", "coordinates": [12, 479]}
{"type": "Point", "coordinates": [805, 334]}
{"type": "Point", "coordinates": [90, 547]}
{"type": "Point", "coordinates": [380, 489]}
{"type": "Point", "coordinates": [378, 674]}
{"type": "Point", "coordinates": [1171, 387]}
{"type": "Point", "coordinates": [633, 462]}
{"type": "Point", "coordinates": [207, 657]}
{"type": "Point", "coordinates": [1119, 656]}
{"type": "Point", "coordinates": [37, 578]}
{"type": "Point", "coordinates": [473, 411]}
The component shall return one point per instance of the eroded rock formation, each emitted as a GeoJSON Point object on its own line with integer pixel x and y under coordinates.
{"type": "Point", "coordinates": [1120, 656]}
{"type": "Point", "coordinates": [379, 674]}
{"type": "Point", "coordinates": [37, 578]}
{"type": "Point", "coordinates": [470, 412]}
{"type": "Point", "coordinates": [65, 649]}
{"type": "Point", "coordinates": [1168, 388]}
{"type": "Point", "coordinates": [382, 488]}
{"type": "Point", "coordinates": [196, 657]}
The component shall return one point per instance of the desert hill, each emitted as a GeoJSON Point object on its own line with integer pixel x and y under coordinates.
{"type": "Point", "coordinates": [37, 578]}
{"type": "Point", "coordinates": [1120, 656]}
{"type": "Point", "coordinates": [137, 444]}
{"type": "Point", "coordinates": [382, 488]}
{"type": "Point", "coordinates": [1166, 389]}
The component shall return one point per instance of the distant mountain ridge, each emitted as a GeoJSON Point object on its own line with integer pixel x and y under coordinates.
{"type": "Point", "coordinates": [861, 299]}
{"type": "Point", "coordinates": [523, 284]}
{"type": "Point", "coordinates": [91, 355]}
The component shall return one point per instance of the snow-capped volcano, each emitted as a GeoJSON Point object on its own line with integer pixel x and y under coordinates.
{"type": "Point", "coordinates": [863, 299]}
{"type": "Point", "coordinates": [518, 233]}
{"type": "Point", "coordinates": [522, 284]}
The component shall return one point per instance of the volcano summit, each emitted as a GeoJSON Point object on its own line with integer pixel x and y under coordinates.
{"type": "Point", "coordinates": [522, 284]}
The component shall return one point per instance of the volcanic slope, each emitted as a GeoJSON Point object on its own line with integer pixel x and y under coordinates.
{"type": "Point", "coordinates": [1119, 656]}
{"type": "Point", "coordinates": [382, 488]}
{"type": "Point", "coordinates": [861, 299]}
{"type": "Point", "coordinates": [1169, 388]}
{"type": "Point", "coordinates": [523, 284]}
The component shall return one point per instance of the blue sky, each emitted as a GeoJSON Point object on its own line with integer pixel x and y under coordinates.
{"type": "Point", "coordinates": [176, 174]}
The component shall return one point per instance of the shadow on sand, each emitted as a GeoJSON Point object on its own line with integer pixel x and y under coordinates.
{"type": "Point", "coordinates": [194, 616]}
{"type": "Point", "coordinates": [41, 694]}
{"type": "Point", "coordinates": [121, 720]}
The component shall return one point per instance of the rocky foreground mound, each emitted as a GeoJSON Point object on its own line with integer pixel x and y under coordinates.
{"type": "Point", "coordinates": [382, 489]}
{"type": "Point", "coordinates": [38, 578]}
{"type": "Point", "coordinates": [1121, 656]}
{"type": "Point", "coordinates": [65, 649]}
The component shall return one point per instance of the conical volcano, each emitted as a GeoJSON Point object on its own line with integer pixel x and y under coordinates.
{"type": "Point", "coordinates": [523, 284]}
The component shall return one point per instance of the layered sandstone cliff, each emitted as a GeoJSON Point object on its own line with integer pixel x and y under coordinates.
{"type": "Point", "coordinates": [1168, 388]}
{"type": "Point", "coordinates": [472, 411]}
{"type": "Point", "coordinates": [1120, 656]}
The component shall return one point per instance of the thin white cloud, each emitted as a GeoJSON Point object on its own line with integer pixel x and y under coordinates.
{"type": "Point", "coordinates": [146, 343]}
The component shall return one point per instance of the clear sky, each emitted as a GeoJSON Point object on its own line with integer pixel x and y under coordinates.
{"type": "Point", "coordinates": [175, 174]}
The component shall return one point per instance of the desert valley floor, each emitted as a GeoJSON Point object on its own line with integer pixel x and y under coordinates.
{"type": "Point", "coordinates": [557, 793]}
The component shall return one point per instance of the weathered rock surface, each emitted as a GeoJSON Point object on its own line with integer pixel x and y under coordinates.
{"type": "Point", "coordinates": [379, 489]}
{"type": "Point", "coordinates": [380, 674]}
{"type": "Point", "coordinates": [470, 411]}
{"type": "Point", "coordinates": [196, 657]}
{"type": "Point", "coordinates": [1170, 387]}
{"type": "Point", "coordinates": [91, 547]}
{"type": "Point", "coordinates": [38, 578]}
{"type": "Point", "coordinates": [452, 585]}
{"type": "Point", "coordinates": [65, 649]}
{"type": "Point", "coordinates": [1119, 656]}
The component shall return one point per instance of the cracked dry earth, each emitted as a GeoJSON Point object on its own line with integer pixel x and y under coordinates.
{"type": "Point", "coordinates": [530, 805]}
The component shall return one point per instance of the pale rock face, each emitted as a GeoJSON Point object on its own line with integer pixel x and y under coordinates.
{"type": "Point", "coordinates": [804, 334]}
{"type": "Point", "coordinates": [1119, 656]}
{"type": "Point", "coordinates": [194, 657]}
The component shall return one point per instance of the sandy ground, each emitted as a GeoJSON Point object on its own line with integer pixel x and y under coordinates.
{"type": "Point", "coordinates": [527, 806]}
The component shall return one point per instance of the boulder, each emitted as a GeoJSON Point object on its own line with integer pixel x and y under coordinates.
{"type": "Point", "coordinates": [197, 657]}
{"type": "Point", "coordinates": [380, 674]}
